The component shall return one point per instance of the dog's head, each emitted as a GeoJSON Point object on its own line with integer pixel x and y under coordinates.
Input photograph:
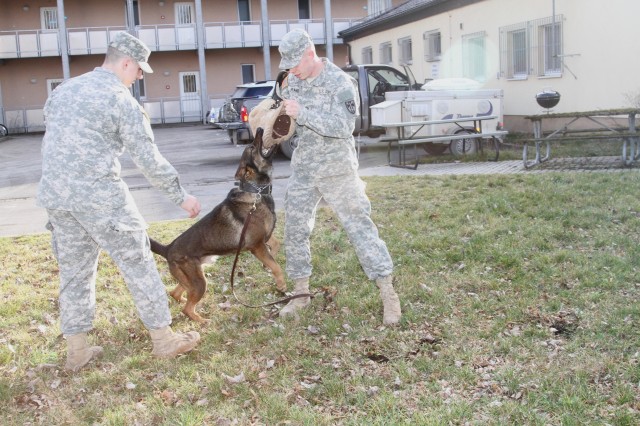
{"type": "Point", "coordinates": [256, 163]}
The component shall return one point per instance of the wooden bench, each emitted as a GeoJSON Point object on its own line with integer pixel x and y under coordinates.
{"type": "Point", "coordinates": [470, 136]}
{"type": "Point", "coordinates": [629, 136]}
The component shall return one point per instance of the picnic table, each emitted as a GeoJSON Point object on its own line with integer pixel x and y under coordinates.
{"type": "Point", "coordinates": [602, 131]}
{"type": "Point", "coordinates": [409, 133]}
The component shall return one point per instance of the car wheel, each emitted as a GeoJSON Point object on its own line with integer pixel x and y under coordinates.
{"type": "Point", "coordinates": [287, 147]}
{"type": "Point", "coordinates": [3, 130]}
{"type": "Point", "coordinates": [463, 146]}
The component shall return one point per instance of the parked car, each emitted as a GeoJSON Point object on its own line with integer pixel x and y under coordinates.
{"type": "Point", "coordinates": [233, 115]}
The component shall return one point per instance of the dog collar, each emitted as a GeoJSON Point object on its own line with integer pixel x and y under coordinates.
{"type": "Point", "coordinates": [255, 189]}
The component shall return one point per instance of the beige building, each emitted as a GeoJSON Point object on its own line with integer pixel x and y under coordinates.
{"type": "Point", "coordinates": [587, 50]}
{"type": "Point", "coordinates": [201, 49]}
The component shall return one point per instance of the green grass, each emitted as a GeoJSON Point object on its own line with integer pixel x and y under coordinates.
{"type": "Point", "coordinates": [521, 306]}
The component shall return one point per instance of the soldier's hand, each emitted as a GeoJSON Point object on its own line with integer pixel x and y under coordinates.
{"type": "Point", "coordinates": [191, 205]}
{"type": "Point", "coordinates": [292, 108]}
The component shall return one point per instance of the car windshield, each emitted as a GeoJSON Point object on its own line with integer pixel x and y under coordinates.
{"type": "Point", "coordinates": [252, 92]}
{"type": "Point", "coordinates": [388, 76]}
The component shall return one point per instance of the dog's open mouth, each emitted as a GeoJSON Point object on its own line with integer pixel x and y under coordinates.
{"type": "Point", "coordinates": [266, 153]}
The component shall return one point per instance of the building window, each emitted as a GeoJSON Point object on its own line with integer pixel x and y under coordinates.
{"type": "Point", "coordinates": [385, 53]}
{"type": "Point", "coordinates": [517, 62]}
{"type": "Point", "coordinates": [304, 9]}
{"type": "Point", "coordinates": [532, 48]}
{"type": "Point", "coordinates": [432, 46]}
{"type": "Point", "coordinates": [189, 83]}
{"type": "Point", "coordinates": [52, 83]}
{"type": "Point", "coordinates": [184, 13]}
{"type": "Point", "coordinates": [244, 11]}
{"type": "Point", "coordinates": [404, 47]}
{"type": "Point", "coordinates": [248, 73]}
{"type": "Point", "coordinates": [49, 18]}
{"type": "Point", "coordinates": [376, 7]}
{"type": "Point", "coordinates": [473, 56]}
{"type": "Point", "coordinates": [367, 55]}
{"type": "Point", "coordinates": [551, 41]}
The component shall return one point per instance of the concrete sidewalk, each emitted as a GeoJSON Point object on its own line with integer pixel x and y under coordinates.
{"type": "Point", "coordinates": [582, 164]}
{"type": "Point", "coordinates": [474, 168]}
{"type": "Point", "coordinates": [207, 162]}
{"type": "Point", "coordinates": [19, 215]}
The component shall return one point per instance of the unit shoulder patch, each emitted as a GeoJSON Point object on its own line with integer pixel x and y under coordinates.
{"type": "Point", "coordinates": [351, 106]}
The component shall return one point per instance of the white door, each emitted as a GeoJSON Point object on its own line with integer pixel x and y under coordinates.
{"type": "Point", "coordinates": [190, 94]}
{"type": "Point", "coordinates": [185, 25]}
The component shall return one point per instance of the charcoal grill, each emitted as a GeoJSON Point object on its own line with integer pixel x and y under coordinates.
{"type": "Point", "coordinates": [548, 98]}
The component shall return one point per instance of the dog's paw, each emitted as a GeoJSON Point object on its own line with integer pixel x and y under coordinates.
{"type": "Point", "coordinates": [196, 317]}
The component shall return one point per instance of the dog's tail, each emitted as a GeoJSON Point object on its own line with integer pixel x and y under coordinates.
{"type": "Point", "coordinates": [158, 248]}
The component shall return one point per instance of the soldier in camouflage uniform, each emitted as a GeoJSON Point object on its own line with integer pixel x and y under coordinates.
{"type": "Point", "coordinates": [90, 121]}
{"type": "Point", "coordinates": [324, 102]}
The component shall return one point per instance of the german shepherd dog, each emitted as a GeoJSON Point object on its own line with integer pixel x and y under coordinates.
{"type": "Point", "coordinates": [219, 232]}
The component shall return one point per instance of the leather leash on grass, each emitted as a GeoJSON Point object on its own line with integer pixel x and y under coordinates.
{"type": "Point", "coordinates": [235, 262]}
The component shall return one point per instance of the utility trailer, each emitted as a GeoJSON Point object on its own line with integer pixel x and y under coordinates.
{"type": "Point", "coordinates": [427, 117]}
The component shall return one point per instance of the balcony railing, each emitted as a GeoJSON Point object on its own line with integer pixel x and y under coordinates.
{"type": "Point", "coordinates": [91, 40]}
{"type": "Point", "coordinates": [217, 35]}
{"type": "Point", "coordinates": [160, 110]}
{"type": "Point", "coordinates": [29, 43]}
{"type": "Point", "coordinates": [168, 37]}
{"type": "Point", "coordinates": [23, 120]}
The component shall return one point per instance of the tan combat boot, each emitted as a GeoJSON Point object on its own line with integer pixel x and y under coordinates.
{"type": "Point", "coordinates": [301, 286]}
{"type": "Point", "coordinates": [79, 353]}
{"type": "Point", "coordinates": [390, 301]}
{"type": "Point", "coordinates": [167, 344]}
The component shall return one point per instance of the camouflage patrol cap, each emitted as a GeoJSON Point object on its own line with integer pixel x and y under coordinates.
{"type": "Point", "coordinates": [292, 47]}
{"type": "Point", "coordinates": [133, 47]}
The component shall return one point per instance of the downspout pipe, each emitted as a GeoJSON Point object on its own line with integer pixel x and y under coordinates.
{"type": "Point", "coordinates": [328, 29]}
{"type": "Point", "coordinates": [62, 37]}
{"type": "Point", "coordinates": [266, 39]}
{"type": "Point", "coordinates": [202, 63]}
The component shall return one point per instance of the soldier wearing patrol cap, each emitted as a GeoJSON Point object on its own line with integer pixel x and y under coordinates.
{"type": "Point", "coordinates": [134, 48]}
{"type": "Point", "coordinates": [324, 102]}
{"type": "Point", "coordinates": [90, 121]}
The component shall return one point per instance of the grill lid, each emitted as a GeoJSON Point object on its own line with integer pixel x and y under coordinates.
{"type": "Point", "coordinates": [548, 98]}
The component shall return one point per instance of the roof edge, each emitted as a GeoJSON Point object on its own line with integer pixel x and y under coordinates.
{"type": "Point", "coordinates": [405, 13]}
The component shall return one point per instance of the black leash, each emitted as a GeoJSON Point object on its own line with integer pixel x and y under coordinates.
{"type": "Point", "coordinates": [235, 262]}
{"type": "Point", "coordinates": [275, 96]}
